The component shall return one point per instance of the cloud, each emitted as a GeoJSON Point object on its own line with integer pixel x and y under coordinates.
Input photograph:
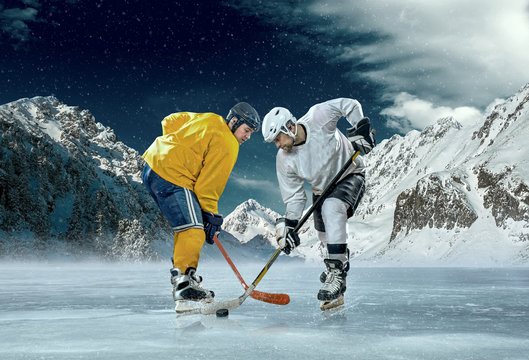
{"type": "Point", "coordinates": [466, 52]}
{"type": "Point", "coordinates": [251, 183]}
{"type": "Point", "coordinates": [32, 3]}
{"type": "Point", "coordinates": [409, 112]}
{"type": "Point", "coordinates": [14, 22]}
{"type": "Point", "coordinates": [462, 53]}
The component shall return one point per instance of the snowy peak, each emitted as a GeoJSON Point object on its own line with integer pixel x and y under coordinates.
{"type": "Point", "coordinates": [74, 129]}
{"type": "Point", "coordinates": [48, 116]}
{"type": "Point", "coordinates": [249, 220]}
{"type": "Point", "coordinates": [399, 161]}
{"type": "Point", "coordinates": [253, 224]}
{"type": "Point", "coordinates": [503, 116]}
{"type": "Point", "coordinates": [36, 115]}
{"type": "Point", "coordinates": [439, 130]}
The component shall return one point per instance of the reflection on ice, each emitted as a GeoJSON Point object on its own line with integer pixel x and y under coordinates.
{"type": "Point", "coordinates": [124, 311]}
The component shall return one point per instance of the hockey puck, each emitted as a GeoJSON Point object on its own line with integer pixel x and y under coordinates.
{"type": "Point", "coordinates": [222, 312]}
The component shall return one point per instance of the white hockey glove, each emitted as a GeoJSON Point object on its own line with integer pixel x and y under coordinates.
{"type": "Point", "coordinates": [286, 237]}
{"type": "Point", "coordinates": [361, 137]}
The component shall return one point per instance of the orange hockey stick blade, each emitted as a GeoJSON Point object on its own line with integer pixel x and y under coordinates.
{"type": "Point", "coordinates": [272, 298]}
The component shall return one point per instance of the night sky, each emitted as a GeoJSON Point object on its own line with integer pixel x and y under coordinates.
{"type": "Point", "coordinates": [130, 63]}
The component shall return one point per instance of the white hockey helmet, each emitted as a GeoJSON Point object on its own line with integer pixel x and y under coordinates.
{"type": "Point", "coordinates": [276, 121]}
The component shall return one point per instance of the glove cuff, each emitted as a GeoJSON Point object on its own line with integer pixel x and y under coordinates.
{"type": "Point", "coordinates": [212, 218]}
{"type": "Point", "coordinates": [361, 129]}
{"type": "Point", "coordinates": [288, 222]}
{"type": "Point", "coordinates": [291, 223]}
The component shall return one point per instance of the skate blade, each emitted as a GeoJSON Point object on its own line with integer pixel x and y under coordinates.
{"type": "Point", "coordinates": [185, 306]}
{"type": "Point", "coordinates": [331, 304]}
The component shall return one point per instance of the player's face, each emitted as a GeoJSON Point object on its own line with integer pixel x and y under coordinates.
{"type": "Point", "coordinates": [243, 133]}
{"type": "Point", "coordinates": [283, 141]}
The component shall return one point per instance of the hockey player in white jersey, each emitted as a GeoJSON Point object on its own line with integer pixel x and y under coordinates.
{"type": "Point", "coordinates": [312, 149]}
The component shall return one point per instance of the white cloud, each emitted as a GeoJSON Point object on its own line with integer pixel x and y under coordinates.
{"type": "Point", "coordinates": [461, 52]}
{"type": "Point", "coordinates": [251, 183]}
{"type": "Point", "coordinates": [456, 53]}
{"type": "Point", "coordinates": [409, 112]}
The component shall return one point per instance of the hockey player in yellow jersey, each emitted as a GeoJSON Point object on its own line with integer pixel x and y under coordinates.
{"type": "Point", "coordinates": [186, 171]}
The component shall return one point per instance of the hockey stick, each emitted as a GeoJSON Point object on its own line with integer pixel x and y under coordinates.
{"type": "Point", "coordinates": [211, 308]}
{"type": "Point", "coordinates": [278, 299]}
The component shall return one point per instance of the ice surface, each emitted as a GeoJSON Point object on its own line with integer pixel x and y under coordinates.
{"type": "Point", "coordinates": [124, 311]}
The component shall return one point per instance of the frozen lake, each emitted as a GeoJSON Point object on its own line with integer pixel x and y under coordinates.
{"type": "Point", "coordinates": [124, 311]}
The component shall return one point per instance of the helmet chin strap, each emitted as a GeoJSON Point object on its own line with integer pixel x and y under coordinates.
{"type": "Point", "coordinates": [294, 135]}
{"type": "Point", "coordinates": [234, 123]}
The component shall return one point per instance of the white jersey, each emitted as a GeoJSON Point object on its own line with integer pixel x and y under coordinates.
{"type": "Point", "coordinates": [322, 155]}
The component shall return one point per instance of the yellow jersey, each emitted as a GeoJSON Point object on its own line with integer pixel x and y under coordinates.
{"type": "Point", "coordinates": [197, 152]}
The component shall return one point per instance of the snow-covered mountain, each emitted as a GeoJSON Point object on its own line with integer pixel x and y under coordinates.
{"type": "Point", "coordinates": [453, 194]}
{"type": "Point", "coordinates": [254, 225]}
{"type": "Point", "coordinates": [68, 185]}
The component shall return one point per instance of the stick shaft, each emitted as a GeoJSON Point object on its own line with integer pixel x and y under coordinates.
{"type": "Point", "coordinates": [232, 265]}
{"type": "Point", "coordinates": [266, 267]}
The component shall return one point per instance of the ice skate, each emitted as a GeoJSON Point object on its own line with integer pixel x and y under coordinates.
{"type": "Point", "coordinates": [187, 289]}
{"type": "Point", "coordinates": [334, 285]}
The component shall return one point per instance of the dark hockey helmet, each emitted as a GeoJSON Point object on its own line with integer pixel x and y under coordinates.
{"type": "Point", "coordinates": [245, 114]}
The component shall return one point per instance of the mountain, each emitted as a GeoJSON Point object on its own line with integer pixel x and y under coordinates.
{"type": "Point", "coordinates": [253, 224]}
{"type": "Point", "coordinates": [69, 187]}
{"type": "Point", "coordinates": [453, 194]}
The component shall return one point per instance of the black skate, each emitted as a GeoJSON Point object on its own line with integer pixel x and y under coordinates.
{"type": "Point", "coordinates": [334, 285]}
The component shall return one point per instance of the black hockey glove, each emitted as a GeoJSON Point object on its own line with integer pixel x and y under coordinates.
{"type": "Point", "coordinates": [361, 137]}
{"type": "Point", "coordinates": [212, 223]}
{"type": "Point", "coordinates": [286, 237]}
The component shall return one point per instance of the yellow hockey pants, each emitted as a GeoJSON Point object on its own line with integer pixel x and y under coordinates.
{"type": "Point", "coordinates": [187, 247]}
